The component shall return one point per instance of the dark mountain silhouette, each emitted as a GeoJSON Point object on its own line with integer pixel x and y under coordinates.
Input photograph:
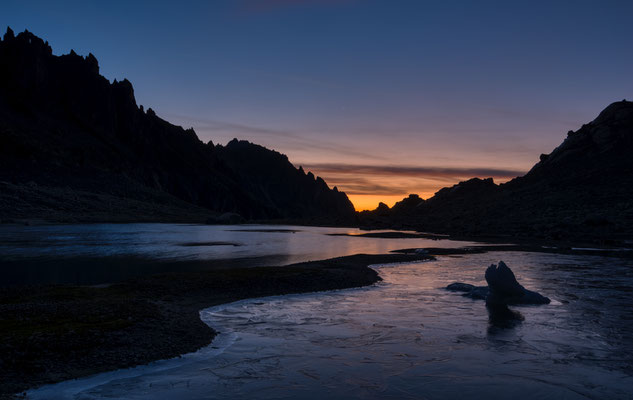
{"type": "Point", "coordinates": [74, 146]}
{"type": "Point", "coordinates": [583, 189]}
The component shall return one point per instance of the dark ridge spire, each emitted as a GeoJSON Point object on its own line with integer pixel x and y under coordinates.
{"type": "Point", "coordinates": [93, 63]}
{"type": "Point", "coordinates": [9, 35]}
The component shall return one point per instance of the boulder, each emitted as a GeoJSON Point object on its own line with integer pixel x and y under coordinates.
{"type": "Point", "coordinates": [471, 291]}
{"type": "Point", "coordinates": [502, 282]}
{"type": "Point", "coordinates": [503, 288]}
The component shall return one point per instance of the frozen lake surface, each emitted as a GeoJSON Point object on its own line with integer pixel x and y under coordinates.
{"type": "Point", "coordinates": [102, 253]}
{"type": "Point", "coordinates": [407, 338]}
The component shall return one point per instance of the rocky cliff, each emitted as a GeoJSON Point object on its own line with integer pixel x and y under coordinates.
{"type": "Point", "coordinates": [74, 146]}
{"type": "Point", "coordinates": [582, 189]}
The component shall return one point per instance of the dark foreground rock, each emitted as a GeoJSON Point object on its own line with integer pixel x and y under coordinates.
{"type": "Point", "coordinates": [503, 289]}
{"type": "Point", "coordinates": [54, 333]}
{"type": "Point", "coordinates": [472, 291]}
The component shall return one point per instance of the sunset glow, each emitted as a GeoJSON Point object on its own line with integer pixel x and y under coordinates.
{"type": "Point", "coordinates": [368, 185]}
{"type": "Point", "coordinates": [446, 93]}
{"type": "Point", "coordinates": [305, 199]}
{"type": "Point", "coordinates": [364, 202]}
{"type": "Point", "coordinates": [366, 189]}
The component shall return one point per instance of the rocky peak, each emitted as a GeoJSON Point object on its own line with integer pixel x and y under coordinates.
{"type": "Point", "coordinates": [382, 209]}
{"type": "Point", "coordinates": [26, 42]}
{"type": "Point", "coordinates": [408, 204]}
{"type": "Point", "coordinates": [620, 111]}
{"type": "Point", "coordinates": [594, 146]}
{"type": "Point", "coordinates": [31, 74]}
{"type": "Point", "coordinates": [9, 35]}
{"type": "Point", "coordinates": [125, 92]}
{"type": "Point", "coordinates": [267, 172]}
{"type": "Point", "coordinates": [92, 62]}
{"type": "Point", "coordinates": [474, 186]}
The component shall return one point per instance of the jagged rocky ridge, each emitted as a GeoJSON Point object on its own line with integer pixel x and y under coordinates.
{"type": "Point", "coordinates": [74, 146]}
{"type": "Point", "coordinates": [582, 189]}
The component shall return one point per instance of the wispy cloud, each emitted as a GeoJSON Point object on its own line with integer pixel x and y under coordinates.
{"type": "Point", "coordinates": [400, 180]}
{"type": "Point", "coordinates": [414, 171]}
{"type": "Point", "coordinates": [304, 142]}
{"type": "Point", "coordinates": [363, 186]}
{"type": "Point", "coordinates": [354, 179]}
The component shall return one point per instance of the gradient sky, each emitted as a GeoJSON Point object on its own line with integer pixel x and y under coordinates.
{"type": "Point", "coordinates": [380, 98]}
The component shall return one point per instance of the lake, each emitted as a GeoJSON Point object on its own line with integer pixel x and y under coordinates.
{"type": "Point", "coordinates": [403, 338]}
{"type": "Point", "coordinates": [104, 253]}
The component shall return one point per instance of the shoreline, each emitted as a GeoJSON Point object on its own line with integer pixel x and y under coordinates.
{"type": "Point", "coordinates": [213, 348]}
{"type": "Point", "coordinates": [52, 333]}
{"type": "Point", "coordinates": [58, 332]}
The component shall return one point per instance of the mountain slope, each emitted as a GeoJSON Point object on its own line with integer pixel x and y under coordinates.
{"type": "Point", "coordinates": [67, 130]}
{"type": "Point", "coordinates": [584, 188]}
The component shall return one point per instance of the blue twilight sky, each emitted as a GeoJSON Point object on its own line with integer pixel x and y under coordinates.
{"type": "Point", "coordinates": [380, 97]}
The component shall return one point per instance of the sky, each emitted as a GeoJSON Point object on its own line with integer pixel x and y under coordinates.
{"type": "Point", "coordinates": [381, 98]}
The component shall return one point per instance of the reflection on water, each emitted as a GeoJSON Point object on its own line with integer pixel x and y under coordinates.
{"type": "Point", "coordinates": [98, 253]}
{"type": "Point", "coordinates": [501, 316]}
{"type": "Point", "coordinates": [408, 338]}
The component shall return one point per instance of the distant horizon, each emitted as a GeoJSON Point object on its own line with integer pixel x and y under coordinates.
{"type": "Point", "coordinates": [380, 101]}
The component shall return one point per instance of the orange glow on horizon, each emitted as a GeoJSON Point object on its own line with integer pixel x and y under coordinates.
{"type": "Point", "coordinates": [364, 202]}
{"type": "Point", "coordinates": [425, 190]}
{"type": "Point", "coordinates": [368, 185]}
